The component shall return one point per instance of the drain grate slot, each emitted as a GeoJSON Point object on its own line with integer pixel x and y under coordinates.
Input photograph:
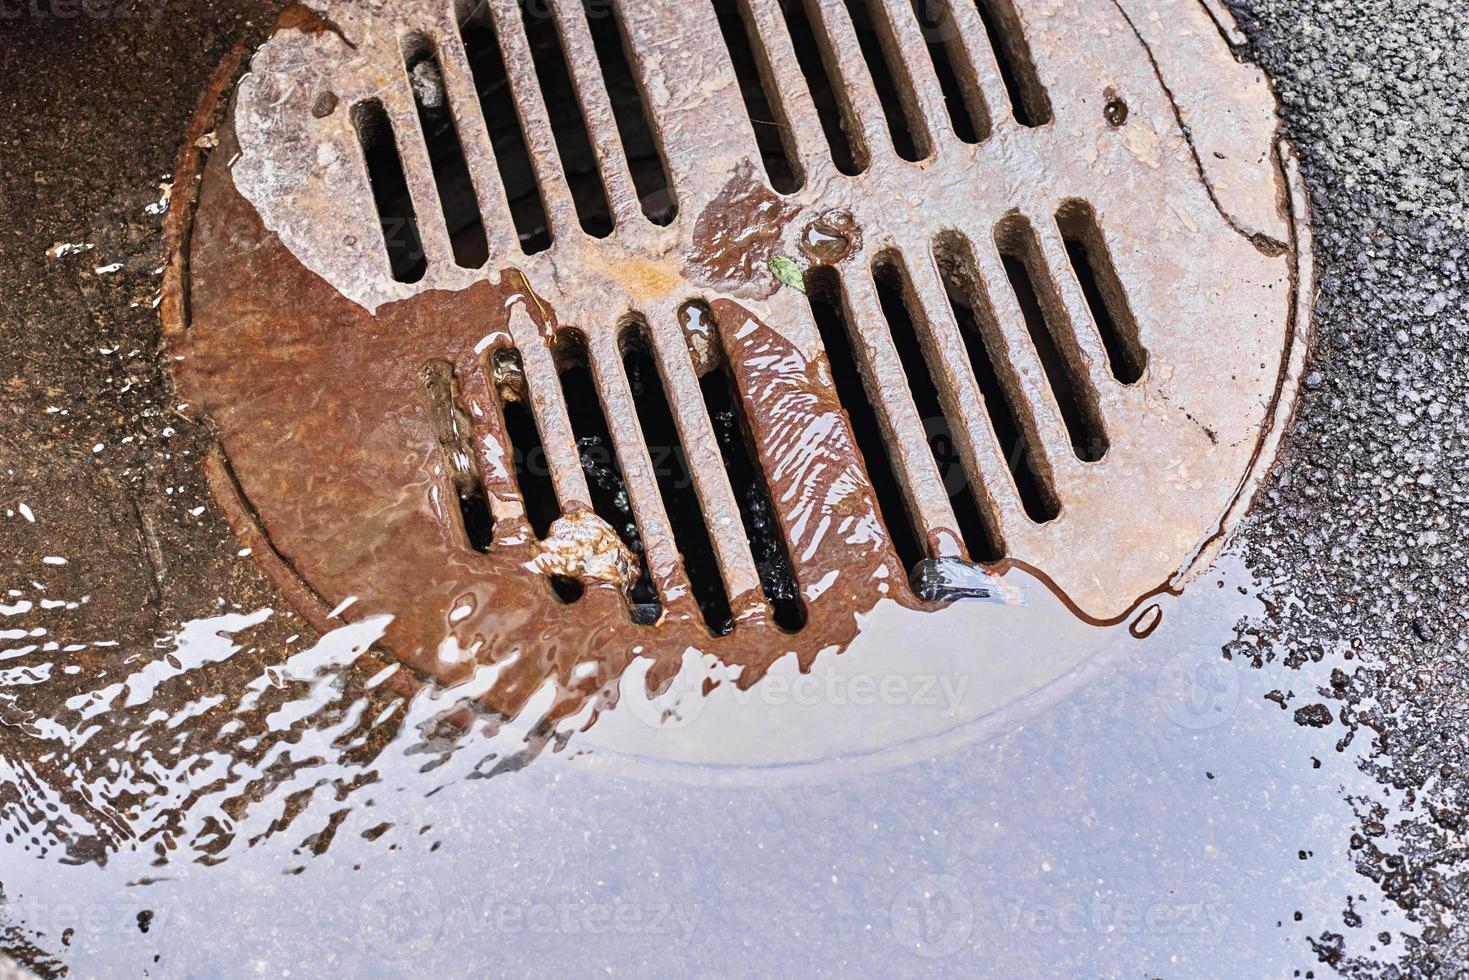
{"type": "Point", "coordinates": [446, 154]}
{"type": "Point", "coordinates": [675, 482]}
{"type": "Point", "coordinates": [901, 310]}
{"type": "Point", "coordinates": [645, 158]}
{"type": "Point", "coordinates": [751, 62]}
{"type": "Point", "coordinates": [532, 469]}
{"type": "Point", "coordinates": [956, 76]}
{"type": "Point", "coordinates": [455, 432]}
{"type": "Point", "coordinates": [1092, 262]}
{"type": "Point", "coordinates": [890, 76]}
{"type": "Point", "coordinates": [818, 64]}
{"type": "Point", "coordinates": [1051, 333]}
{"type": "Point", "coordinates": [608, 489]}
{"type": "Point", "coordinates": [1028, 99]}
{"type": "Point", "coordinates": [390, 191]}
{"type": "Point", "coordinates": [1009, 416]}
{"type": "Point", "coordinates": [573, 140]}
{"type": "Point", "coordinates": [829, 309]}
{"type": "Point", "coordinates": [507, 136]}
{"type": "Point", "coordinates": [767, 542]}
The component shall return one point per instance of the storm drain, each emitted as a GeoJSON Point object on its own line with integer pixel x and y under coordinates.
{"type": "Point", "coordinates": [566, 333]}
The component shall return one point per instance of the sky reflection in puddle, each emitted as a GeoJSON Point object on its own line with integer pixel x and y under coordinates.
{"type": "Point", "coordinates": [1149, 809]}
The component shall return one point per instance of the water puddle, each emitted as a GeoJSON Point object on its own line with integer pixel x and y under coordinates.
{"type": "Point", "coordinates": [1057, 793]}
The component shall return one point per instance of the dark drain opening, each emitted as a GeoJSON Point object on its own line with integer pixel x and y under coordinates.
{"type": "Point", "coordinates": [1092, 262]}
{"type": "Point", "coordinates": [890, 76]}
{"type": "Point", "coordinates": [1028, 99]}
{"type": "Point", "coordinates": [446, 154]}
{"type": "Point", "coordinates": [502, 123]}
{"type": "Point", "coordinates": [390, 191]}
{"type": "Point", "coordinates": [455, 432]}
{"type": "Point", "coordinates": [829, 309]}
{"type": "Point", "coordinates": [818, 65]}
{"type": "Point", "coordinates": [762, 530]}
{"type": "Point", "coordinates": [610, 499]}
{"type": "Point", "coordinates": [568, 125]}
{"type": "Point", "coordinates": [967, 111]}
{"type": "Point", "coordinates": [1052, 335]}
{"type": "Point", "coordinates": [773, 133]}
{"type": "Point", "coordinates": [532, 469]}
{"type": "Point", "coordinates": [1009, 415]}
{"type": "Point", "coordinates": [568, 590]}
{"type": "Point", "coordinates": [675, 483]}
{"type": "Point", "coordinates": [901, 309]}
{"type": "Point", "coordinates": [645, 159]}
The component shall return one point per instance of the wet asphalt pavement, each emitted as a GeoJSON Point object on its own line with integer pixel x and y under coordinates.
{"type": "Point", "coordinates": [1350, 658]}
{"type": "Point", "coordinates": [1362, 535]}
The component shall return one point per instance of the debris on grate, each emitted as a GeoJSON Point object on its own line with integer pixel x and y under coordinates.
{"type": "Point", "coordinates": [949, 579]}
{"type": "Point", "coordinates": [489, 305]}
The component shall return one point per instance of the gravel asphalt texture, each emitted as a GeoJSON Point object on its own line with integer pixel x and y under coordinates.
{"type": "Point", "coordinates": [1359, 538]}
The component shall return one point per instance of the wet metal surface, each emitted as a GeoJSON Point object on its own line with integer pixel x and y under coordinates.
{"type": "Point", "coordinates": [330, 460]}
{"type": "Point", "coordinates": [193, 782]}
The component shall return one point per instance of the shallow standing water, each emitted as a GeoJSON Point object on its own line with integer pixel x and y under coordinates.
{"type": "Point", "coordinates": [1149, 810]}
{"type": "Point", "coordinates": [96, 106]}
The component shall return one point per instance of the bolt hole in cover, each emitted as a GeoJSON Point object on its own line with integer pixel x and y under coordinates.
{"type": "Point", "coordinates": [653, 362]}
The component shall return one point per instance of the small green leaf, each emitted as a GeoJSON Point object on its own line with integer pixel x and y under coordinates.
{"type": "Point", "coordinates": [788, 272]}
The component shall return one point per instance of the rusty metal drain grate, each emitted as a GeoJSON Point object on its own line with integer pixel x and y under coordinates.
{"type": "Point", "coordinates": [568, 333]}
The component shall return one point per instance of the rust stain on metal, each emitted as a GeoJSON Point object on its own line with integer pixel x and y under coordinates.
{"type": "Point", "coordinates": [642, 279]}
{"type": "Point", "coordinates": [740, 231]}
{"type": "Point", "coordinates": [831, 237]}
{"type": "Point", "coordinates": [302, 18]}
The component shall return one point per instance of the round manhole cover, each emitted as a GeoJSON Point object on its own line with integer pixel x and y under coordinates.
{"type": "Point", "coordinates": [710, 336]}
